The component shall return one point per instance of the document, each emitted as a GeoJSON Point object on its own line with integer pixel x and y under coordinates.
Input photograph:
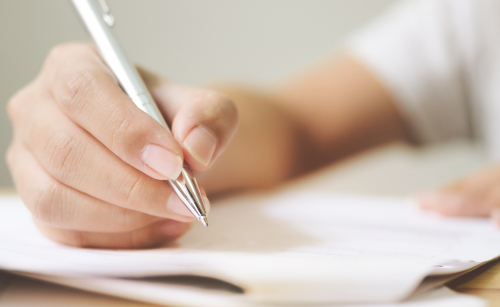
{"type": "Point", "coordinates": [175, 295]}
{"type": "Point", "coordinates": [282, 248]}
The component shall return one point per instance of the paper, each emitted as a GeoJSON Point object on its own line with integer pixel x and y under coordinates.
{"type": "Point", "coordinates": [171, 295]}
{"type": "Point", "coordinates": [285, 248]}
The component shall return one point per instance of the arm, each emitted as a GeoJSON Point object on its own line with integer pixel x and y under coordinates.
{"type": "Point", "coordinates": [335, 110]}
{"type": "Point", "coordinates": [92, 173]}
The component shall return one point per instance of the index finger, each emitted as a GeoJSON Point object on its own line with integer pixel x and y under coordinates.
{"type": "Point", "coordinates": [86, 91]}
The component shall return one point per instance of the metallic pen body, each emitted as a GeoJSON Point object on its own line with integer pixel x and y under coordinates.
{"type": "Point", "coordinates": [98, 20]}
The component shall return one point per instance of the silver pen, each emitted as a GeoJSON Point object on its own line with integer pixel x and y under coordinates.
{"type": "Point", "coordinates": [98, 20]}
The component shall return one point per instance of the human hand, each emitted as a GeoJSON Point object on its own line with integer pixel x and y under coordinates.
{"type": "Point", "coordinates": [477, 195]}
{"type": "Point", "coordinates": [91, 166]}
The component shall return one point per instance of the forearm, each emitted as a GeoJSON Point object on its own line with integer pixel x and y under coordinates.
{"type": "Point", "coordinates": [334, 111]}
{"type": "Point", "coordinates": [264, 149]}
{"type": "Point", "coordinates": [342, 108]}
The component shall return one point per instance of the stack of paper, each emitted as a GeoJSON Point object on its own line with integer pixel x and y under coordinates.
{"type": "Point", "coordinates": [288, 248]}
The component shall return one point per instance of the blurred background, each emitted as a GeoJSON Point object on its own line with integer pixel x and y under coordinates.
{"type": "Point", "coordinates": [255, 42]}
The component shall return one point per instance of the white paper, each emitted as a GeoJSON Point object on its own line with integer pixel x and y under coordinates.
{"type": "Point", "coordinates": [172, 295]}
{"type": "Point", "coordinates": [286, 248]}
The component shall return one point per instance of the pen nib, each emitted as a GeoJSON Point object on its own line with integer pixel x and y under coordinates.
{"type": "Point", "coordinates": [204, 221]}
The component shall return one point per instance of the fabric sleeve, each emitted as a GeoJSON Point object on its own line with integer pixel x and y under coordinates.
{"type": "Point", "coordinates": [418, 51]}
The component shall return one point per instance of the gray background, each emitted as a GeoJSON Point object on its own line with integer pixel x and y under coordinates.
{"type": "Point", "coordinates": [258, 42]}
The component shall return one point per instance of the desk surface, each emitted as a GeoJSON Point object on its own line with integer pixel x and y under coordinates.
{"type": "Point", "coordinates": [484, 282]}
{"type": "Point", "coordinates": [406, 171]}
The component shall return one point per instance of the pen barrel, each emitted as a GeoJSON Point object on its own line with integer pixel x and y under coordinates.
{"type": "Point", "coordinates": [131, 82]}
{"type": "Point", "coordinates": [97, 23]}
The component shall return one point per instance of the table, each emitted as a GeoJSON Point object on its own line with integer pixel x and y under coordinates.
{"type": "Point", "coordinates": [484, 282]}
{"type": "Point", "coordinates": [404, 170]}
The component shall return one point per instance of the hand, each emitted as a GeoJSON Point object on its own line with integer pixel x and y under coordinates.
{"type": "Point", "coordinates": [90, 165]}
{"type": "Point", "coordinates": [477, 195]}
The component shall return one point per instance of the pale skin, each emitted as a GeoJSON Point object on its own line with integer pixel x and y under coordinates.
{"type": "Point", "coordinates": [90, 166]}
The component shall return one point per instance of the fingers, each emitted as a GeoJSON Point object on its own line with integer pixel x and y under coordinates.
{"type": "Point", "coordinates": [454, 205]}
{"type": "Point", "coordinates": [90, 165]}
{"type": "Point", "coordinates": [66, 219]}
{"type": "Point", "coordinates": [149, 236]}
{"type": "Point", "coordinates": [204, 126]}
{"type": "Point", "coordinates": [76, 159]}
{"type": "Point", "coordinates": [203, 121]}
{"type": "Point", "coordinates": [85, 90]}
{"type": "Point", "coordinates": [60, 206]}
{"type": "Point", "coordinates": [478, 195]}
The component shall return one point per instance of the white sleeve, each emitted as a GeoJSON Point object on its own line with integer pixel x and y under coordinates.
{"type": "Point", "coordinates": [419, 51]}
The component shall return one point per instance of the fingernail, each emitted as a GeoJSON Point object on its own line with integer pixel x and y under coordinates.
{"type": "Point", "coordinates": [201, 144]}
{"type": "Point", "coordinates": [162, 160]}
{"type": "Point", "coordinates": [176, 206]}
{"type": "Point", "coordinates": [433, 201]}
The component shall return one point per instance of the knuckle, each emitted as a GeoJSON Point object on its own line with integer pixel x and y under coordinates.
{"type": "Point", "coordinates": [230, 111]}
{"type": "Point", "coordinates": [225, 108]}
{"type": "Point", "coordinates": [56, 53]}
{"type": "Point", "coordinates": [134, 188]}
{"type": "Point", "coordinates": [63, 150]}
{"type": "Point", "coordinates": [126, 130]}
{"type": "Point", "coordinates": [217, 98]}
{"type": "Point", "coordinates": [76, 90]}
{"type": "Point", "coordinates": [123, 127]}
{"type": "Point", "coordinates": [214, 96]}
{"type": "Point", "coordinates": [15, 105]}
{"type": "Point", "coordinates": [43, 202]}
{"type": "Point", "coordinates": [229, 108]}
{"type": "Point", "coordinates": [221, 114]}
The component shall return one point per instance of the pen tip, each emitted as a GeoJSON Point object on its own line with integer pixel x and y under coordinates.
{"type": "Point", "coordinates": [204, 220]}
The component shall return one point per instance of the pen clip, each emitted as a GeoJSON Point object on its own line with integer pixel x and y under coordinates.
{"type": "Point", "coordinates": [109, 19]}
